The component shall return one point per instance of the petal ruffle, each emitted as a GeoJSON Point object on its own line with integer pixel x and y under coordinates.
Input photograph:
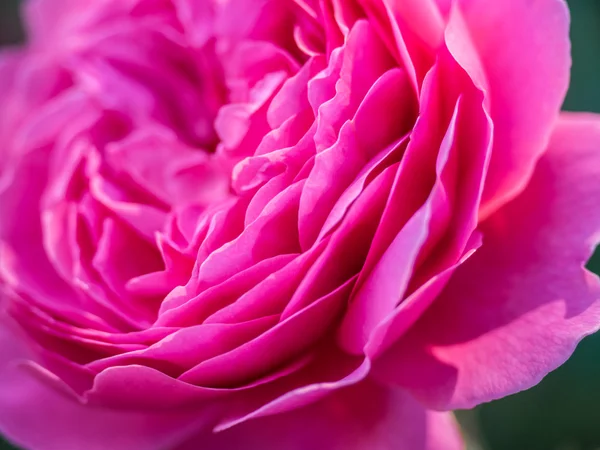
{"type": "Point", "coordinates": [364, 416]}
{"type": "Point", "coordinates": [518, 51]}
{"type": "Point", "coordinates": [516, 309]}
{"type": "Point", "coordinates": [33, 415]}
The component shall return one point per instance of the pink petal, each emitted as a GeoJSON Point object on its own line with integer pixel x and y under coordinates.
{"type": "Point", "coordinates": [146, 220]}
{"type": "Point", "coordinates": [432, 228]}
{"type": "Point", "coordinates": [143, 387]}
{"type": "Point", "coordinates": [271, 295]}
{"type": "Point", "coordinates": [33, 415]}
{"type": "Point", "coordinates": [358, 142]}
{"type": "Point", "coordinates": [197, 19]}
{"type": "Point", "coordinates": [179, 309]}
{"type": "Point", "coordinates": [121, 256]}
{"type": "Point", "coordinates": [262, 239]}
{"type": "Point", "coordinates": [288, 338]}
{"type": "Point", "coordinates": [321, 372]}
{"type": "Point", "coordinates": [523, 47]}
{"type": "Point", "coordinates": [347, 247]}
{"type": "Point", "coordinates": [190, 346]}
{"type": "Point", "coordinates": [412, 30]}
{"type": "Point", "coordinates": [410, 309]}
{"type": "Point", "coordinates": [292, 97]}
{"type": "Point", "coordinates": [365, 416]}
{"type": "Point", "coordinates": [517, 308]}
{"type": "Point", "coordinates": [176, 174]}
{"type": "Point", "coordinates": [22, 250]}
{"type": "Point", "coordinates": [422, 17]}
{"type": "Point", "coordinates": [384, 287]}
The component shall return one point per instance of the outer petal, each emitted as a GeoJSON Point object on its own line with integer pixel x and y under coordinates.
{"type": "Point", "coordinates": [363, 417]}
{"type": "Point", "coordinates": [47, 20]}
{"type": "Point", "coordinates": [523, 51]}
{"type": "Point", "coordinates": [518, 308]}
{"type": "Point", "coordinates": [35, 416]}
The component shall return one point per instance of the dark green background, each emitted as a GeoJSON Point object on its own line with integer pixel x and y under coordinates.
{"type": "Point", "coordinates": [563, 412]}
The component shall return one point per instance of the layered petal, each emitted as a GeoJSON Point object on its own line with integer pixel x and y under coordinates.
{"type": "Point", "coordinates": [218, 217]}
{"type": "Point", "coordinates": [365, 416]}
{"type": "Point", "coordinates": [519, 53]}
{"type": "Point", "coordinates": [33, 414]}
{"type": "Point", "coordinates": [516, 310]}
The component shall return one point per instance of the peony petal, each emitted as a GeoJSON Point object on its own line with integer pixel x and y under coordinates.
{"type": "Point", "coordinates": [384, 287]}
{"type": "Point", "coordinates": [359, 140]}
{"type": "Point", "coordinates": [410, 309]}
{"type": "Point", "coordinates": [288, 338]}
{"type": "Point", "coordinates": [325, 370]}
{"type": "Point", "coordinates": [121, 256]}
{"type": "Point", "coordinates": [292, 97]}
{"type": "Point", "coordinates": [124, 387]}
{"type": "Point", "coordinates": [71, 425]}
{"type": "Point", "coordinates": [24, 266]}
{"type": "Point", "coordinates": [423, 17]}
{"type": "Point", "coordinates": [177, 268]}
{"type": "Point", "coordinates": [517, 308]}
{"type": "Point", "coordinates": [412, 30]}
{"type": "Point", "coordinates": [178, 309]}
{"type": "Point", "coordinates": [190, 346]}
{"type": "Point", "coordinates": [523, 47]}
{"type": "Point", "coordinates": [271, 295]}
{"type": "Point", "coordinates": [365, 416]}
{"type": "Point", "coordinates": [176, 174]}
{"type": "Point", "coordinates": [144, 219]}
{"type": "Point", "coordinates": [197, 19]}
{"type": "Point", "coordinates": [417, 175]}
{"type": "Point", "coordinates": [347, 247]}
{"type": "Point", "coordinates": [260, 240]}
{"type": "Point", "coordinates": [443, 224]}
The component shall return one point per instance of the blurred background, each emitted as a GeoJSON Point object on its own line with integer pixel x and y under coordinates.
{"type": "Point", "coordinates": [562, 412]}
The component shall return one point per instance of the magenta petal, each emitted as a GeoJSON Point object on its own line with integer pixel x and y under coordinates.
{"type": "Point", "coordinates": [384, 288]}
{"type": "Point", "coordinates": [191, 346]}
{"type": "Point", "coordinates": [35, 416]}
{"type": "Point", "coordinates": [302, 388]}
{"type": "Point", "coordinates": [523, 49]}
{"type": "Point", "coordinates": [290, 337]}
{"type": "Point", "coordinates": [365, 416]}
{"type": "Point", "coordinates": [423, 17]}
{"type": "Point", "coordinates": [517, 308]}
{"type": "Point", "coordinates": [197, 19]}
{"type": "Point", "coordinates": [260, 240]}
{"type": "Point", "coordinates": [180, 310]}
{"type": "Point", "coordinates": [410, 309]}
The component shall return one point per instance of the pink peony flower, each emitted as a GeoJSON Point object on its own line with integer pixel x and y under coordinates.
{"type": "Point", "coordinates": [277, 224]}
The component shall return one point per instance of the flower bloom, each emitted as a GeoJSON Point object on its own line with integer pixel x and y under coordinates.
{"type": "Point", "coordinates": [287, 224]}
